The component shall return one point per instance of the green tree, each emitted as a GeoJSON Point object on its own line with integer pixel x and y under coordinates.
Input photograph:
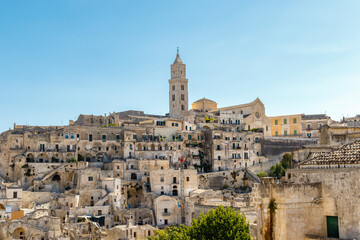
{"type": "Point", "coordinates": [286, 161]}
{"type": "Point", "coordinates": [277, 171]}
{"type": "Point", "coordinates": [171, 233]}
{"type": "Point", "coordinates": [219, 223]}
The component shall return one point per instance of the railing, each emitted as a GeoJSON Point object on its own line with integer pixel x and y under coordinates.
{"type": "Point", "coordinates": [166, 214]}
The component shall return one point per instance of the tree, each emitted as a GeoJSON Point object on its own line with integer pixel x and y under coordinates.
{"type": "Point", "coordinates": [219, 223]}
{"type": "Point", "coordinates": [286, 161]}
{"type": "Point", "coordinates": [277, 171]}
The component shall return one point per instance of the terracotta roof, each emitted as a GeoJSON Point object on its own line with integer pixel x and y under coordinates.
{"type": "Point", "coordinates": [346, 154]}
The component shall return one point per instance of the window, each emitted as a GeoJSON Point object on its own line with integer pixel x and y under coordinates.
{"type": "Point", "coordinates": [66, 135]}
{"type": "Point", "coordinates": [90, 138]}
{"type": "Point", "coordinates": [182, 87]}
{"type": "Point", "coordinates": [219, 158]}
{"type": "Point", "coordinates": [182, 97]}
{"type": "Point", "coordinates": [173, 87]}
{"type": "Point", "coordinates": [118, 167]}
{"type": "Point", "coordinates": [118, 138]}
{"type": "Point", "coordinates": [72, 135]}
{"type": "Point", "coordinates": [14, 194]}
{"type": "Point", "coordinates": [104, 138]}
{"type": "Point", "coordinates": [182, 107]}
{"type": "Point", "coordinates": [276, 133]}
{"type": "Point", "coordinates": [165, 210]}
{"type": "Point", "coordinates": [295, 132]}
{"type": "Point", "coordinates": [172, 124]}
{"type": "Point", "coordinates": [276, 122]}
{"type": "Point", "coordinates": [285, 121]}
{"type": "Point", "coordinates": [161, 179]}
{"type": "Point", "coordinates": [285, 133]}
{"type": "Point", "coordinates": [173, 97]}
{"type": "Point", "coordinates": [294, 120]}
{"type": "Point", "coordinates": [189, 137]}
{"type": "Point", "coordinates": [187, 179]}
{"type": "Point", "coordinates": [90, 179]}
{"type": "Point", "coordinates": [176, 124]}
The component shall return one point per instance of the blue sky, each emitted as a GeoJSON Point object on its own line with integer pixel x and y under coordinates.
{"type": "Point", "coordinates": [59, 59]}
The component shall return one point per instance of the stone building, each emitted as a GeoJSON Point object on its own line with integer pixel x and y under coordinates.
{"type": "Point", "coordinates": [311, 124]}
{"type": "Point", "coordinates": [178, 89]}
{"type": "Point", "coordinates": [351, 121]}
{"type": "Point", "coordinates": [335, 134]}
{"type": "Point", "coordinates": [167, 210]}
{"type": "Point", "coordinates": [204, 105]}
{"type": "Point", "coordinates": [110, 175]}
{"type": "Point", "coordinates": [317, 200]}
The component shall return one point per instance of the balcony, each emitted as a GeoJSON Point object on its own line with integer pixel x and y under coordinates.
{"type": "Point", "coordinates": [165, 214]}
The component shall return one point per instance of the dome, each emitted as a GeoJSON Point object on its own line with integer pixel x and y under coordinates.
{"type": "Point", "coordinates": [204, 105]}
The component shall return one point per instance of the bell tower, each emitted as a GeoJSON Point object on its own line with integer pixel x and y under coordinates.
{"type": "Point", "coordinates": [178, 89]}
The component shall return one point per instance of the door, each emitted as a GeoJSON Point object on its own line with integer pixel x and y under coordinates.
{"type": "Point", "coordinates": [332, 226]}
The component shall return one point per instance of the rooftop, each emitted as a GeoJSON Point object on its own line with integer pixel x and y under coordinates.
{"type": "Point", "coordinates": [346, 154]}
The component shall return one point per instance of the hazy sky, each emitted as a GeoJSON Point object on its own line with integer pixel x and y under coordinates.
{"type": "Point", "coordinates": [59, 59]}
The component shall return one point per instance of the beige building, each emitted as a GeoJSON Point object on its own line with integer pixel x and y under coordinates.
{"type": "Point", "coordinates": [167, 210]}
{"type": "Point", "coordinates": [317, 201]}
{"type": "Point", "coordinates": [173, 182]}
{"type": "Point", "coordinates": [204, 105]}
{"type": "Point", "coordinates": [311, 124]}
{"type": "Point", "coordinates": [178, 89]}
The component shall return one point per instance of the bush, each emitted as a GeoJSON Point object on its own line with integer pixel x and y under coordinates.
{"type": "Point", "coordinates": [262, 174]}
{"type": "Point", "coordinates": [219, 223]}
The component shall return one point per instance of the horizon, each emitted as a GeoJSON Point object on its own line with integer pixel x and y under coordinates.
{"type": "Point", "coordinates": [63, 59]}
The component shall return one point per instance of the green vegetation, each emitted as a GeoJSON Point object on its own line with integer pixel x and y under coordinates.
{"type": "Point", "coordinates": [262, 174]}
{"type": "Point", "coordinates": [272, 211]}
{"type": "Point", "coordinates": [219, 223]}
{"type": "Point", "coordinates": [73, 160]}
{"type": "Point", "coordinates": [278, 170]}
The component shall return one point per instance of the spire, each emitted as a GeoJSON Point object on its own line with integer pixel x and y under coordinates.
{"type": "Point", "coordinates": [178, 59]}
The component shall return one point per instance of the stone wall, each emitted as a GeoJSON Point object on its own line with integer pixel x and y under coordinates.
{"type": "Point", "coordinates": [30, 199]}
{"type": "Point", "coordinates": [341, 189]}
{"type": "Point", "coordinates": [298, 211]}
{"type": "Point", "coordinates": [271, 146]}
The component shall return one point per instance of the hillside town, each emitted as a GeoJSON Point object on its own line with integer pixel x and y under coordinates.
{"type": "Point", "coordinates": [122, 175]}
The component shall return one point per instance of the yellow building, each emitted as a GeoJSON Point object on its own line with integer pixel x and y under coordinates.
{"type": "Point", "coordinates": [286, 125]}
